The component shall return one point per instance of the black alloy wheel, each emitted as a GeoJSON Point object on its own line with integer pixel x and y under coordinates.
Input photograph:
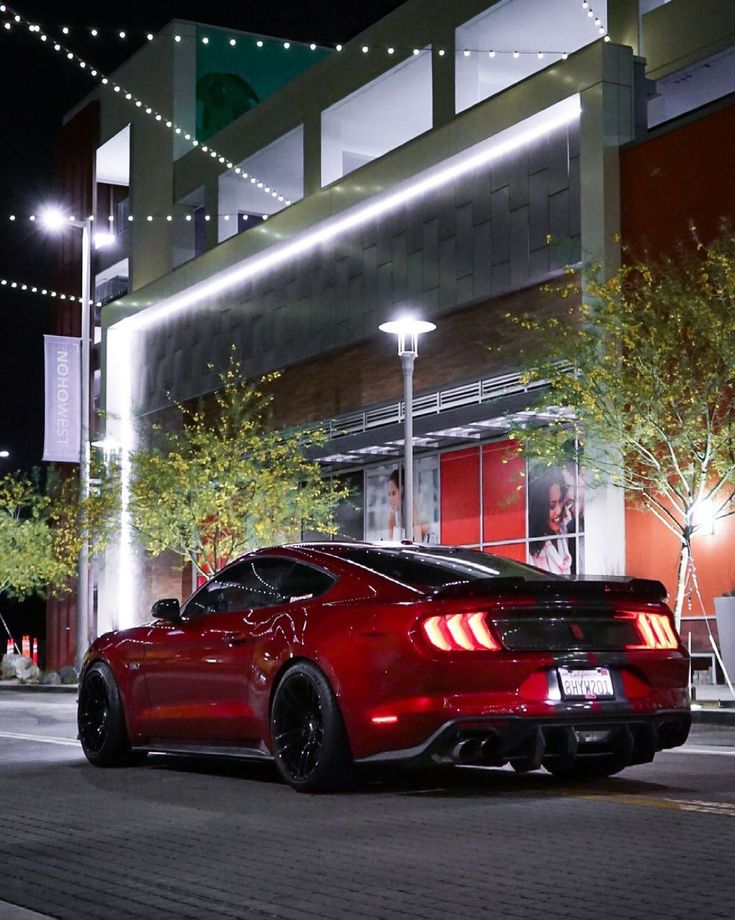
{"type": "Point", "coordinates": [101, 720]}
{"type": "Point", "coordinates": [308, 738]}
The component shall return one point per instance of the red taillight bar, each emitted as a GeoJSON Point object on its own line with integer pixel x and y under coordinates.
{"type": "Point", "coordinates": [655, 630]}
{"type": "Point", "coordinates": [460, 632]}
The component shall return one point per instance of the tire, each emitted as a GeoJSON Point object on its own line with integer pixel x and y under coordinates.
{"type": "Point", "coordinates": [589, 768]}
{"type": "Point", "coordinates": [101, 720]}
{"type": "Point", "coordinates": [308, 737]}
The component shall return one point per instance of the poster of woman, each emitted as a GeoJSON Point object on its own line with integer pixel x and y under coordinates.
{"type": "Point", "coordinates": [554, 510]}
{"type": "Point", "coordinates": [384, 502]}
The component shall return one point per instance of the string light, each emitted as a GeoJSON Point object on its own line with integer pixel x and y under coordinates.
{"type": "Point", "coordinates": [126, 34]}
{"type": "Point", "coordinates": [151, 218]}
{"type": "Point", "coordinates": [128, 95]}
{"type": "Point", "coordinates": [27, 288]}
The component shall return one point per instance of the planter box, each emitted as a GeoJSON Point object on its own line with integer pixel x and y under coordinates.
{"type": "Point", "coordinates": [725, 610]}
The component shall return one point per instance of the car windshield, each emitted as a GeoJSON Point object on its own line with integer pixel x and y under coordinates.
{"type": "Point", "coordinates": [436, 567]}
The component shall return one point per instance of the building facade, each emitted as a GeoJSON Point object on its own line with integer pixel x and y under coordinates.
{"type": "Point", "coordinates": [285, 201]}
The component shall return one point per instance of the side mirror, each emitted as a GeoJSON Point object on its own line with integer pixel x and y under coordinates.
{"type": "Point", "coordinates": [167, 609]}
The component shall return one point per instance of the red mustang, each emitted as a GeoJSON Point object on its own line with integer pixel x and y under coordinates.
{"type": "Point", "coordinates": [325, 655]}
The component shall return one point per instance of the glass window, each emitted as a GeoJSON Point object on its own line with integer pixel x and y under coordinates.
{"type": "Point", "coordinates": [259, 582]}
{"type": "Point", "coordinates": [437, 567]}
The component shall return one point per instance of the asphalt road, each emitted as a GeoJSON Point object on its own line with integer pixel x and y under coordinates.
{"type": "Point", "coordinates": [184, 838]}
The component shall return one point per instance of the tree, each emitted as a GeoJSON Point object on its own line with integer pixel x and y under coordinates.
{"type": "Point", "coordinates": [42, 529]}
{"type": "Point", "coordinates": [226, 482]}
{"type": "Point", "coordinates": [647, 366]}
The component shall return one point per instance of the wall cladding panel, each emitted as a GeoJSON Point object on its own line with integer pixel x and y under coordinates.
{"type": "Point", "coordinates": [480, 236]}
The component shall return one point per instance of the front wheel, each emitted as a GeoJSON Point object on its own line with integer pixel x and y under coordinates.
{"type": "Point", "coordinates": [101, 720]}
{"type": "Point", "coordinates": [308, 736]}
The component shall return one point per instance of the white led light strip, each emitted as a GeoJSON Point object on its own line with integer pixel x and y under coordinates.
{"type": "Point", "coordinates": [562, 113]}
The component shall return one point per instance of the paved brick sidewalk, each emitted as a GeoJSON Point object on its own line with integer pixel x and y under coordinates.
{"type": "Point", "coordinates": [195, 839]}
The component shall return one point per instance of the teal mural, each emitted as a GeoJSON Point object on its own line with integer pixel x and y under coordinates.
{"type": "Point", "coordinates": [232, 80]}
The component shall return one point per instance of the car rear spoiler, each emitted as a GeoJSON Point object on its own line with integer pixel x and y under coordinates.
{"type": "Point", "coordinates": [644, 589]}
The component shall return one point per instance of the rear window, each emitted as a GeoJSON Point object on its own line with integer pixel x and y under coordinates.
{"type": "Point", "coordinates": [434, 568]}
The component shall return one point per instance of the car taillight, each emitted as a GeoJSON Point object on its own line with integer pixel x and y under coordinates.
{"type": "Point", "coordinates": [460, 632]}
{"type": "Point", "coordinates": [655, 630]}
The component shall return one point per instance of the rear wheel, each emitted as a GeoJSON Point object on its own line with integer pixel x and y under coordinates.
{"type": "Point", "coordinates": [101, 720]}
{"type": "Point", "coordinates": [308, 737]}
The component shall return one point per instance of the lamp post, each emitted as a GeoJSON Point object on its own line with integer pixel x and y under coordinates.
{"type": "Point", "coordinates": [407, 330]}
{"type": "Point", "coordinates": [54, 220]}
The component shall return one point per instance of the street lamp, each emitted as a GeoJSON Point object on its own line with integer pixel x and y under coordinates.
{"type": "Point", "coordinates": [407, 329]}
{"type": "Point", "coordinates": [53, 219]}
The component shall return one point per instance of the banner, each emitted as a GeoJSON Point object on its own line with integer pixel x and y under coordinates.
{"type": "Point", "coordinates": [63, 399]}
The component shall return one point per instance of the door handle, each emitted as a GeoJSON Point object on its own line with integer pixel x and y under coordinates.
{"type": "Point", "coordinates": [236, 638]}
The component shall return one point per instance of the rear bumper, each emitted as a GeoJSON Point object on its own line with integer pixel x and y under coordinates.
{"type": "Point", "coordinates": [529, 743]}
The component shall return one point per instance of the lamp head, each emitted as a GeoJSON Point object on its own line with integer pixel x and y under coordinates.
{"type": "Point", "coordinates": [407, 329]}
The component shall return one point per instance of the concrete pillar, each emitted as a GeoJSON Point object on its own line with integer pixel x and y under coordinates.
{"type": "Point", "coordinates": [607, 121]}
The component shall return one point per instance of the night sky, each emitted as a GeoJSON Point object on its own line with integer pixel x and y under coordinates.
{"type": "Point", "coordinates": [38, 87]}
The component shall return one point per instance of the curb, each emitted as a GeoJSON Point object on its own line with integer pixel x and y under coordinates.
{"type": "Point", "coordinates": [40, 688]}
{"type": "Point", "coordinates": [713, 717]}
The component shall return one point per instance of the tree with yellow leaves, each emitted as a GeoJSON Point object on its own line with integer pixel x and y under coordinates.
{"type": "Point", "coordinates": [641, 375]}
{"type": "Point", "coordinates": [226, 481]}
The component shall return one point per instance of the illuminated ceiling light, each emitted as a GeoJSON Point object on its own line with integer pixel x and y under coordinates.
{"type": "Point", "coordinates": [70, 55]}
{"type": "Point", "coordinates": [365, 49]}
{"type": "Point", "coordinates": [391, 51]}
{"type": "Point", "coordinates": [128, 96]}
{"type": "Point", "coordinates": [233, 42]}
{"type": "Point", "coordinates": [416, 51]}
{"type": "Point", "coordinates": [169, 124]}
{"type": "Point", "coordinates": [237, 170]}
{"type": "Point", "coordinates": [177, 38]}
{"type": "Point", "coordinates": [229, 165]}
{"type": "Point", "coordinates": [94, 33]}
{"type": "Point", "coordinates": [607, 38]}
{"type": "Point", "coordinates": [602, 30]}
{"type": "Point", "coordinates": [116, 88]}
{"type": "Point", "coordinates": [159, 117]}
{"type": "Point", "coordinates": [516, 55]}
{"type": "Point", "coordinates": [338, 47]}
{"type": "Point", "coordinates": [150, 36]}
{"type": "Point", "coordinates": [564, 55]}
{"type": "Point", "coordinates": [122, 34]}
{"type": "Point", "coordinates": [466, 52]}
{"type": "Point", "coordinates": [227, 216]}
{"type": "Point", "coordinates": [150, 217]}
{"type": "Point", "coordinates": [287, 45]}
{"type": "Point", "coordinates": [222, 159]}
{"type": "Point", "coordinates": [188, 217]}
{"type": "Point", "coordinates": [442, 52]}
{"type": "Point", "coordinates": [312, 46]}
{"type": "Point", "coordinates": [491, 54]}
{"type": "Point", "coordinates": [169, 217]}
{"type": "Point", "coordinates": [259, 43]}
{"type": "Point", "coordinates": [540, 55]}
{"type": "Point", "coordinates": [213, 153]}
{"type": "Point", "coordinates": [65, 30]}
{"type": "Point", "coordinates": [131, 218]}
{"type": "Point", "coordinates": [205, 40]}
{"type": "Point", "coordinates": [207, 217]}
{"type": "Point", "coordinates": [177, 131]}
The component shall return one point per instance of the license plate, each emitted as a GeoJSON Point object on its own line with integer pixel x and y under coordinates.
{"type": "Point", "coordinates": [588, 684]}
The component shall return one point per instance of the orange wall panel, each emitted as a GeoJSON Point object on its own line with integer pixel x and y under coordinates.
{"type": "Point", "coordinates": [652, 551]}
